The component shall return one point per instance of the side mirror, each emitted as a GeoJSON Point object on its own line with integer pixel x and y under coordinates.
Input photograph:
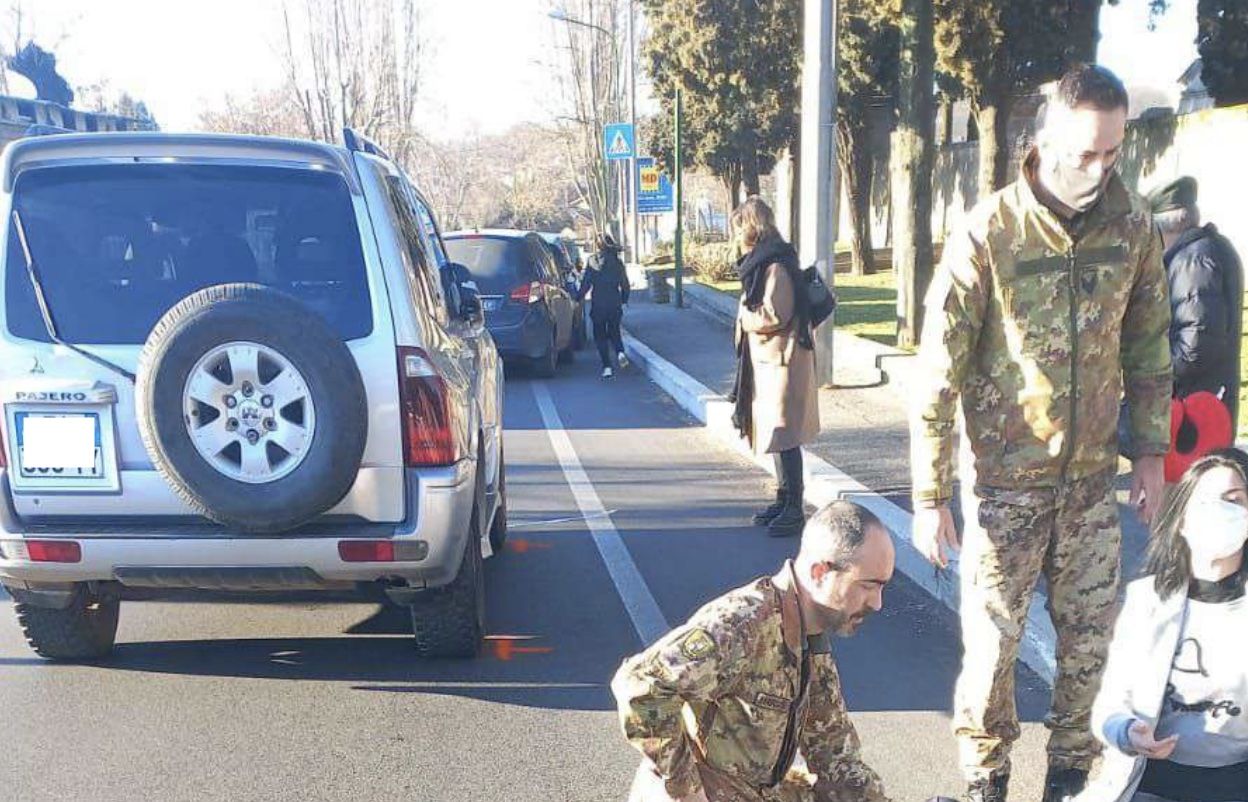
{"type": "Point", "coordinates": [465, 293]}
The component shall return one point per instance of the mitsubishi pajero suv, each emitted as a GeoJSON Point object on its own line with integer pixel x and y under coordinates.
{"type": "Point", "coordinates": [239, 364]}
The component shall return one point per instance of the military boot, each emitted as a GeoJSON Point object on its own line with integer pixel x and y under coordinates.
{"type": "Point", "coordinates": [993, 789]}
{"type": "Point", "coordinates": [1064, 784]}
{"type": "Point", "coordinates": [768, 514]}
{"type": "Point", "coordinates": [791, 519]}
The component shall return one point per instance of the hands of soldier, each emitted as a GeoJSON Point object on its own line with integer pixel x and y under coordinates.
{"type": "Point", "coordinates": [1148, 484]}
{"type": "Point", "coordinates": [935, 535]}
{"type": "Point", "coordinates": [1141, 736]}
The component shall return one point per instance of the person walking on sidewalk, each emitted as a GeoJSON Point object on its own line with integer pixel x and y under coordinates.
{"type": "Point", "coordinates": [606, 283]}
{"type": "Point", "coordinates": [776, 400]}
{"type": "Point", "coordinates": [721, 707]}
{"type": "Point", "coordinates": [1173, 707]}
{"type": "Point", "coordinates": [1050, 302]}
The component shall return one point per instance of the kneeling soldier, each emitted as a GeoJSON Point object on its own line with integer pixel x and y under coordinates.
{"type": "Point", "coordinates": [743, 702]}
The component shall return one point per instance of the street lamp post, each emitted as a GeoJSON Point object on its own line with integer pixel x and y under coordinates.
{"type": "Point", "coordinates": [818, 158]}
{"type": "Point", "coordinates": [632, 115]}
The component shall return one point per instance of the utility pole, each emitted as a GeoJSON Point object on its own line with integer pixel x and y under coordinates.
{"type": "Point", "coordinates": [818, 159]}
{"type": "Point", "coordinates": [679, 190]}
{"type": "Point", "coordinates": [632, 113]}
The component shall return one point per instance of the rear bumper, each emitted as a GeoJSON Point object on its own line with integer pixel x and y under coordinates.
{"type": "Point", "coordinates": [528, 339]}
{"type": "Point", "coordinates": [212, 558]}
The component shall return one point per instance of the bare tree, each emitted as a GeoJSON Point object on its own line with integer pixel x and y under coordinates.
{"type": "Point", "coordinates": [589, 73]}
{"type": "Point", "coordinates": [357, 64]}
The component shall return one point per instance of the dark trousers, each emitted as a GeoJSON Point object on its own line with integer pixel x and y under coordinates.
{"type": "Point", "coordinates": [789, 471]}
{"type": "Point", "coordinates": [607, 335]}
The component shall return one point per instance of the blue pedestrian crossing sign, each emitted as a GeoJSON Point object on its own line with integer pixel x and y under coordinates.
{"type": "Point", "coordinates": [618, 141]}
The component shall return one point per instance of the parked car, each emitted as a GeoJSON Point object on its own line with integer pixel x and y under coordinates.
{"type": "Point", "coordinates": [528, 309]}
{"type": "Point", "coordinates": [571, 272]}
{"type": "Point", "coordinates": [256, 370]}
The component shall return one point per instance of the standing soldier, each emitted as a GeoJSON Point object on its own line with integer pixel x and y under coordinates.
{"type": "Point", "coordinates": [1050, 305]}
{"type": "Point", "coordinates": [723, 706]}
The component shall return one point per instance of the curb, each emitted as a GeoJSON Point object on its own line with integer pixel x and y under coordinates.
{"type": "Point", "coordinates": [826, 483]}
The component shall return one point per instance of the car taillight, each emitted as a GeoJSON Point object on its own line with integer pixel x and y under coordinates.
{"type": "Point", "coordinates": [529, 293]}
{"type": "Point", "coordinates": [382, 551]}
{"type": "Point", "coordinates": [428, 438]}
{"type": "Point", "coordinates": [42, 551]}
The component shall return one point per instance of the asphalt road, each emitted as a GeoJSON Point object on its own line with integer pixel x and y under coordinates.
{"type": "Point", "coordinates": [303, 698]}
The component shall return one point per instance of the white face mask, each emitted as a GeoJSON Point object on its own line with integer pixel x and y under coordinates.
{"type": "Point", "coordinates": [1077, 188]}
{"type": "Point", "coordinates": [1215, 529]}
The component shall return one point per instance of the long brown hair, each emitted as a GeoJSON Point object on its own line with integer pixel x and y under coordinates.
{"type": "Point", "coordinates": [1168, 559]}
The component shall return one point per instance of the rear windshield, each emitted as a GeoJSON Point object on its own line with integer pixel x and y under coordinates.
{"type": "Point", "coordinates": [118, 245]}
{"type": "Point", "coordinates": [499, 265]}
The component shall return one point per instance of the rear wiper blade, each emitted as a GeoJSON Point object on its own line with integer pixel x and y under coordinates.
{"type": "Point", "coordinates": [49, 323]}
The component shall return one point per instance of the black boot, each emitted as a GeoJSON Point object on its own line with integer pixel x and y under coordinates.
{"type": "Point", "coordinates": [993, 789]}
{"type": "Point", "coordinates": [1063, 784]}
{"type": "Point", "coordinates": [768, 514]}
{"type": "Point", "coordinates": [791, 519]}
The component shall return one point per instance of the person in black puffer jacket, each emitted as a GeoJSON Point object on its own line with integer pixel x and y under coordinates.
{"type": "Point", "coordinates": [606, 284]}
{"type": "Point", "coordinates": [1206, 293]}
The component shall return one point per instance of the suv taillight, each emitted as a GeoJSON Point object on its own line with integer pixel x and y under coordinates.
{"type": "Point", "coordinates": [529, 293]}
{"type": "Point", "coordinates": [428, 437]}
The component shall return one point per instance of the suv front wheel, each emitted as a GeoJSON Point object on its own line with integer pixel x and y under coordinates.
{"type": "Point", "coordinates": [450, 621]}
{"type": "Point", "coordinates": [85, 630]}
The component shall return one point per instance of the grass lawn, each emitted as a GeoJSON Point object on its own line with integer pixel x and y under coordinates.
{"type": "Point", "coordinates": [867, 304]}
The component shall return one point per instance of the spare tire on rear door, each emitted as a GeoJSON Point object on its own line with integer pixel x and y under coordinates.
{"type": "Point", "coordinates": [252, 407]}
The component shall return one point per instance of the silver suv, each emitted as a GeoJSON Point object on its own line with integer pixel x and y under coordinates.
{"type": "Point", "coordinates": [242, 364]}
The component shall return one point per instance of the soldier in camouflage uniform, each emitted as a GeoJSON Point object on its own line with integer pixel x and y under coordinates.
{"type": "Point", "coordinates": [743, 703]}
{"type": "Point", "coordinates": [1042, 313]}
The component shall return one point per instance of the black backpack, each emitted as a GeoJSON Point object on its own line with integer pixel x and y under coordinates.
{"type": "Point", "coordinates": [820, 300]}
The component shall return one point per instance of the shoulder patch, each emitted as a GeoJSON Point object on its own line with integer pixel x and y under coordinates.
{"type": "Point", "coordinates": [697, 645]}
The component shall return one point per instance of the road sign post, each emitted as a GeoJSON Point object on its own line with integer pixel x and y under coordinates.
{"type": "Point", "coordinates": [679, 179]}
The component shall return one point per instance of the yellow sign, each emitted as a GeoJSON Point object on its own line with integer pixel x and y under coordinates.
{"type": "Point", "coordinates": [649, 179]}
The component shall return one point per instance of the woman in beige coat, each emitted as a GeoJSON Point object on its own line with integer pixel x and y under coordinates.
{"type": "Point", "coordinates": [776, 400]}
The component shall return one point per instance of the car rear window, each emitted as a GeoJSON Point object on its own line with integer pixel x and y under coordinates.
{"type": "Point", "coordinates": [118, 245]}
{"type": "Point", "coordinates": [498, 264]}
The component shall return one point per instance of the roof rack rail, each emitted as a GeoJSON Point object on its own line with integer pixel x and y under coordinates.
{"type": "Point", "coordinates": [358, 143]}
{"type": "Point", "coordinates": [43, 129]}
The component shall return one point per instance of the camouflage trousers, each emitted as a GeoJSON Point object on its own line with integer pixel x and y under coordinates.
{"type": "Point", "coordinates": [1071, 536]}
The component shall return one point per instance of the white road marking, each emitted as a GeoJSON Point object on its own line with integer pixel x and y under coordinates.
{"type": "Point", "coordinates": [644, 611]}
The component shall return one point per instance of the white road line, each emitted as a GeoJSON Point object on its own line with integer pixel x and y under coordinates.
{"type": "Point", "coordinates": [644, 611]}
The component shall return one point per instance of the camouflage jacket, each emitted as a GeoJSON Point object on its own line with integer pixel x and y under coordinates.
{"type": "Point", "coordinates": [710, 705]}
{"type": "Point", "coordinates": [1039, 330]}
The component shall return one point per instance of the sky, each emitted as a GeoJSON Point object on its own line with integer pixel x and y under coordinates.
{"type": "Point", "coordinates": [486, 68]}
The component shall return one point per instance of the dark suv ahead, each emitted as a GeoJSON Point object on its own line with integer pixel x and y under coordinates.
{"type": "Point", "coordinates": [529, 310]}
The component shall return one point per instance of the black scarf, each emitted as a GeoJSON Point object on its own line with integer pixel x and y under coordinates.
{"type": "Point", "coordinates": [752, 268]}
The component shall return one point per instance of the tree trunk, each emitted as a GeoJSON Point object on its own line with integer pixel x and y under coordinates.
{"type": "Point", "coordinates": [946, 122]}
{"type": "Point", "coordinates": [912, 163]}
{"type": "Point", "coordinates": [1083, 18]}
{"type": "Point", "coordinates": [854, 152]}
{"type": "Point", "coordinates": [992, 115]}
{"type": "Point", "coordinates": [795, 196]}
{"type": "Point", "coordinates": [749, 163]}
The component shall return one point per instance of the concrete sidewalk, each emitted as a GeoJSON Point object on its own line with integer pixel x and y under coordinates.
{"type": "Point", "coordinates": [863, 450]}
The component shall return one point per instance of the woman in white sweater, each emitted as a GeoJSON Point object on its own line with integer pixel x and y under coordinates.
{"type": "Point", "coordinates": [1173, 706]}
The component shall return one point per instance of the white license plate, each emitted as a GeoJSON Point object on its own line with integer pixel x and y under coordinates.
{"type": "Point", "coordinates": [491, 304]}
{"type": "Point", "coordinates": [59, 445]}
